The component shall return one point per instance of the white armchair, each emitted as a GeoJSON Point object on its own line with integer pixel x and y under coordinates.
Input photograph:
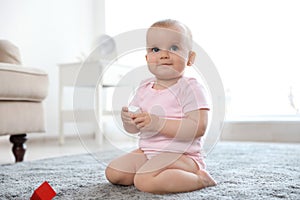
{"type": "Point", "coordinates": [22, 91]}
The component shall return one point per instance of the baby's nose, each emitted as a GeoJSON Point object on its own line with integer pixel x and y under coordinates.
{"type": "Point", "coordinates": [164, 54]}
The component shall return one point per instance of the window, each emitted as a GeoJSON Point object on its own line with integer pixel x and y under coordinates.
{"type": "Point", "coordinates": [255, 46]}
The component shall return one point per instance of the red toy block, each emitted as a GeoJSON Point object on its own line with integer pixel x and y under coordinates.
{"type": "Point", "coordinates": [43, 192]}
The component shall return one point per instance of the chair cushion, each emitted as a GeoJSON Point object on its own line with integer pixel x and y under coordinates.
{"type": "Point", "coordinates": [20, 83]}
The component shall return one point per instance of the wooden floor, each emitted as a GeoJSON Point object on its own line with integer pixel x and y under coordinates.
{"type": "Point", "coordinates": [46, 147]}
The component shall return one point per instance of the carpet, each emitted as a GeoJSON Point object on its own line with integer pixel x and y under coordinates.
{"type": "Point", "coordinates": [242, 170]}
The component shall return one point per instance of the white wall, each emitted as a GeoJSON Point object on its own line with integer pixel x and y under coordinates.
{"type": "Point", "coordinates": [254, 44]}
{"type": "Point", "coordinates": [51, 32]}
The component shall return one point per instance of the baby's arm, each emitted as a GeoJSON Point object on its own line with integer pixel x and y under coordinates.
{"type": "Point", "coordinates": [190, 127]}
{"type": "Point", "coordinates": [128, 123]}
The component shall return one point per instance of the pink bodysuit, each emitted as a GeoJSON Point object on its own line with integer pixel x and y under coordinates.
{"type": "Point", "coordinates": [172, 103]}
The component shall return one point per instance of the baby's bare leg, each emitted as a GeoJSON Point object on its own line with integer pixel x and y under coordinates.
{"type": "Point", "coordinates": [122, 170]}
{"type": "Point", "coordinates": [182, 175]}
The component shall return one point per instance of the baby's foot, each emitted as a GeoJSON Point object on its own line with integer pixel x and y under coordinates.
{"type": "Point", "coordinates": [205, 179]}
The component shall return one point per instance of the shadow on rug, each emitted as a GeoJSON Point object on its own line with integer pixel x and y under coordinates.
{"type": "Point", "coordinates": [242, 170]}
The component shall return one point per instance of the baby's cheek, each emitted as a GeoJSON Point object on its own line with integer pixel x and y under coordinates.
{"type": "Point", "coordinates": [150, 58]}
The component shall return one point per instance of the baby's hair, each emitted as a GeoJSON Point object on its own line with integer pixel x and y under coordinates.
{"type": "Point", "coordinates": [166, 23]}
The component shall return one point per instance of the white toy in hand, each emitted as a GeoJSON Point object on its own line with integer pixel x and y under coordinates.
{"type": "Point", "coordinates": [134, 109]}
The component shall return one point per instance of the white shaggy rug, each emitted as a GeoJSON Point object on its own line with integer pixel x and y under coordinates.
{"type": "Point", "coordinates": [242, 170]}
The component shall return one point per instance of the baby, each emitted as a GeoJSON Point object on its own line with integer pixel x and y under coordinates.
{"type": "Point", "coordinates": [172, 121]}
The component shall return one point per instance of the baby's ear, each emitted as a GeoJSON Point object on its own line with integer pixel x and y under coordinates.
{"type": "Point", "coordinates": [191, 59]}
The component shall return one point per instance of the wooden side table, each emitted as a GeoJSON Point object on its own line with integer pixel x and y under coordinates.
{"type": "Point", "coordinates": [68, 74]}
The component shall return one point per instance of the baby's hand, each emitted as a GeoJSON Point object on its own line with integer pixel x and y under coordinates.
{"type": "Point", "coordinates": [127, 117]}
{"type": "Point", "coordinates": [148, 122]}
{"type": "Point", "coordinates": [141, 119]}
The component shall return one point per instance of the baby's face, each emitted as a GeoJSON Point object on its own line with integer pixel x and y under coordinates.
{"type": "Point", "coordinates": [167, 51]}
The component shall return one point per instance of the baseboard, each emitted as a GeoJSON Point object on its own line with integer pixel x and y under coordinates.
{"type": "Point", "coordinates": [252, 131]}
{"type": "Point", "coordinates": [261, 131]}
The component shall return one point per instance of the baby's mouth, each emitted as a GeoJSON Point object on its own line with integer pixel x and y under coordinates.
{"type": "Point", "coordinates": [166, 64]}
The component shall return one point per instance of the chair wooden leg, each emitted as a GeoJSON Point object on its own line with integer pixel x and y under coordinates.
{"type": "Point", "coordinates": [19, 146]}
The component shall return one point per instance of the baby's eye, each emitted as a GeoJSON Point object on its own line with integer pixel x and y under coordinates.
{"type": "Point", "coordinates": [174, 48]}
{"type": "Point", "coordinates": [155, 49]}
